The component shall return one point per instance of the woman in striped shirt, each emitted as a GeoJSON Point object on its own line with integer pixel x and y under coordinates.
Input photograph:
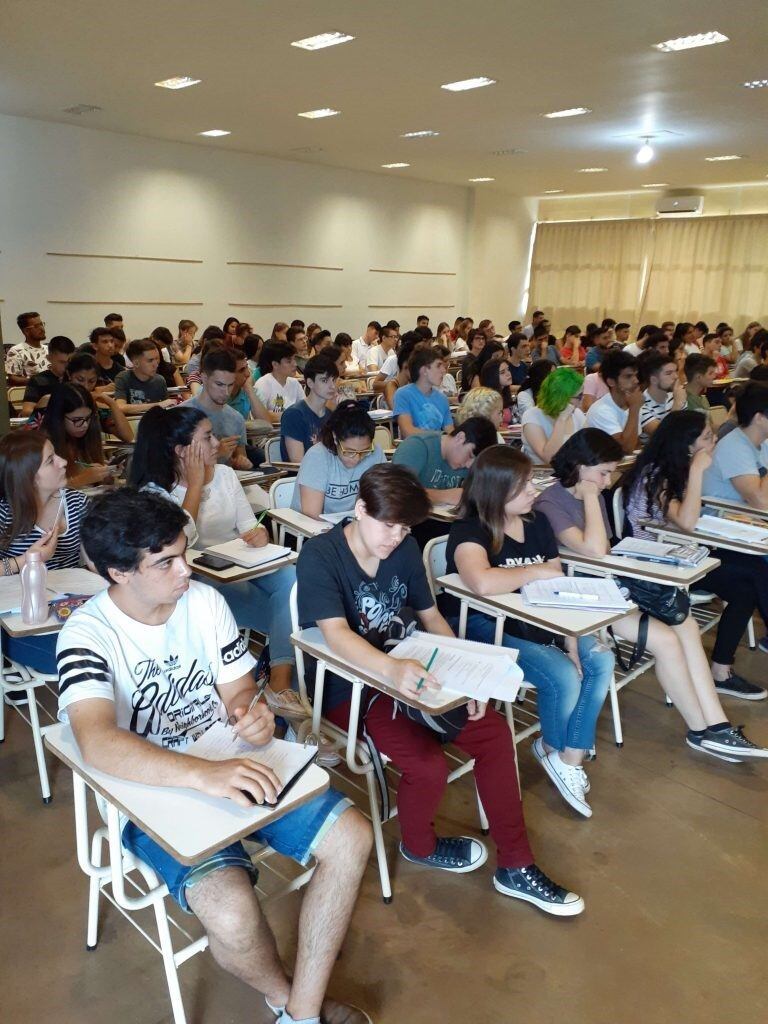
{"type": "Point", "coordinates": [37, 513]}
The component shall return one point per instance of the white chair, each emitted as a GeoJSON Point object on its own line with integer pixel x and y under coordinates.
{"type": "Point", "coordinates": [281, 496]}
{"type": "Point", "coordinates": [382, 436]}
{"type": "Point", "coordinates": [272, 451]}
{"type": "Point", "coordinates": [18, 678]}
{"type": "Point", "coordinates": [618, 511]}
{"type": "Point", "coordinates": [16, 393]}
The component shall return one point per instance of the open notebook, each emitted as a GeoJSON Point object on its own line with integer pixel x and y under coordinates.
{"type": "Point", "coordinates": [288, 761]}
{"type": "Point", "coordinates": [731, 529]}
{"type": "Point", "coordinates": [584, 594]}
{"type": "Point", "coordinates": [240, 553]}
{"type": "Point", "coordinates": [466, 667]}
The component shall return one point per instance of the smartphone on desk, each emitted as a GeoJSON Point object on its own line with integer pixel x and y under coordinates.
{"type": "Point", "coordinates": [215, 562]}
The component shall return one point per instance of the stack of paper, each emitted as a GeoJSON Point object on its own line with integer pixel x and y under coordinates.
{"type": "Point", "coordinates": [240, 553]}
{"type": "Point", "coordinates": [655, 551]}
{"type": "Point", "coordinates": [583, 594]}
{"type": "Point", "coordinates": [480, 671]}
{"type": "Point", "coordinates": [730, 529]}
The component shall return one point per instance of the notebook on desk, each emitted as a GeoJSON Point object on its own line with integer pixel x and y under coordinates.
{"type": "Point", "coordinates": [686, 555]}
{"type": "Point", "coordinates": [240, 553]}
{"type": "Point", "coordinates": [731, 529]}
{"type": "Point", "coordinates": [583, 594]}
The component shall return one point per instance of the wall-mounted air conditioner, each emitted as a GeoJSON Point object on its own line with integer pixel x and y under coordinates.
{"type": "Point", "coordinates": [677, 206]}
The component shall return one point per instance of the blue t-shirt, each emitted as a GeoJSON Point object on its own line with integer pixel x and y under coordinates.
{"type": "Point", "coordinates": [226, 422]}
{"type": "Point", "coordinates": [593, 358]}
{"type": "Point", "coordinates": [428, 412]}
{"type": "Point", "coordinates": [240, 403]}
{"type": "Point", "coordinates": [734, 456]}
{"type": "Point", "coordinates": [300, 423]}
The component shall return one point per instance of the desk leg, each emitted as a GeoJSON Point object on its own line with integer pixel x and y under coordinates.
{"type": "Point", "coordinates": [614, 694]}
{"type": "Point", "coordinates": [498, 636]}
{"type": "Point", "coordinates": [317, 702]}
{"type": "Point", "coordinates": [463, 609]}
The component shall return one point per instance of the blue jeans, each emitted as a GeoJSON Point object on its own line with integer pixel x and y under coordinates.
{"type": "Point", "coordinates": [264, 604]}
{"type": "Point", "coordinates": [36, 652]}
{"type": "Point", "coordinates": [568, 706]}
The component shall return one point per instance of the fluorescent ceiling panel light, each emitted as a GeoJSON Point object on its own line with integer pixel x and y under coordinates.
{"type": "Point", "coordinates": [691, 42]}
{"type": "Point", "coordinates": [427, 134]}
{"type": "Point", "coordinates": [657, 184]}
{"type": "Point", "coordinates": [468, 83]}
{"type": "Point", "coordinates": [719, 159]}
{"type": "Point", "coordinates": [482, 179]}
{"type": "Point", "coordinates": [758, 83]}
{"type": "Point", "coordinates": [592, 170]}
{"type": "Point", "coordinates": [553, 191]}
{"type": "Point", "coordinates": [322, 112]}
{"type": "Point", "coordinates": [324, 39]}
{"type": "Point", "coordinates": [215, 133]}
{"type": "Point", "coordinates": [395, 165]}
{"type": "Point", "coordinates": [571, 112]}
{"type": "Point", "coordinates": [183, 82]}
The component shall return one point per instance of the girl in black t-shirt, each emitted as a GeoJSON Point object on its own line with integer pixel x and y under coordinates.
{"type": "Point", "coordinates": [498, 546]}
{"type": "Point", "coordinates": [358, 583]}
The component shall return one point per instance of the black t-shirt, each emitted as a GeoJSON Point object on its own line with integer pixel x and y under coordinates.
{"type": "Point", "coordinates": [333, 586]}
{"type": "Point", "coordinates": [40, 385]}
{"type": "Point", "coordinates": [538, 545]}
{"type": "Point", "coordinates": [108, 373]}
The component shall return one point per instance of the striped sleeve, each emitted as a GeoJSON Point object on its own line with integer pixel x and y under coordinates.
{"type": "Point", "coordinates": [84, 671]}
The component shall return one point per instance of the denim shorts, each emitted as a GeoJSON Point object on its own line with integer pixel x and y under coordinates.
{"type": "Point", "coordinates": [296, 835]}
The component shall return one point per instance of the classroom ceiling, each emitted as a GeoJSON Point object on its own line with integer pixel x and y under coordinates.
{"type": "Point", "coordinates": [545, 56]}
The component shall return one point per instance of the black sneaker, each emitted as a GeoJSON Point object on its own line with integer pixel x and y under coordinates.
{"type": "Point", "coordinates": [458, 854]}
{"type": "Point", "coordinates": [737, 686]}
{"type": "Point", "coordinates": [533, 886]}
{"type": "Point", "coordinates": [695, 742]}
{"type": "Point", "coordinates": [732, 741]}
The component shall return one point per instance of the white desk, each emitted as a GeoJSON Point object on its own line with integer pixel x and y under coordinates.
{"type": "Point", "coordinates": [666, 532]}
{"type": "Point", "coordinates": [297, 524]}
{"type": "Point", "coordinates": [238, 572]}
{"type": "Point", "coordinates": [190, 826]}
{"type": "Point", "coordinates": [618, 565]}
{"type": "Point", "coordinates": [259, 476]}
{"type": "Point", "coordinates": [285, 466]}
{"type": "Point", "coordinates": [72, 581]}
{"type": "Point", "coordinates": [724, 506]}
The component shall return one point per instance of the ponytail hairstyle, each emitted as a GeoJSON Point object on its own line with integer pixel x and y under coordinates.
{"type": "Point", "coordinates": [348, 419]}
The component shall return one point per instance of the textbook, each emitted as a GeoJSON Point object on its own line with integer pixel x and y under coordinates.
{"type": "Point", "coordinates": [240, 553]}
{"type": "Point", "coordinates": [687, 555]}
{"type": "Point", "coordinates": [582, 593]}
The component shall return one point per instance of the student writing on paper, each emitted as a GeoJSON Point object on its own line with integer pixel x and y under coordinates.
{"type": "Point", "coordinates": [576, 512]}
{"type": "Point", "coordinates": [176, 454]}
{"type": "Point", "coordinates": [144, 669]}
{"type": "Point", "coordinates": [72, 423]}
{"type": "Point", "coordinates": [666, 485]}
{"type": "Point", "coordinates": [497, 546]}
{"type": "Point", "coordinates": [362, 583]}
{"type": "Point", "coordinates": [37, 512]}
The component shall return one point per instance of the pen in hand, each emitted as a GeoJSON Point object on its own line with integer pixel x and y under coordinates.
{"type": "Point", "coordinates": [430, 663]}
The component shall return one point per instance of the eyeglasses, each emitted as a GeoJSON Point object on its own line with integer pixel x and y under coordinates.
{"type": "Point", "coordinates": [353, 453]}
{"type": "Point", "coordinates": [79, 421]}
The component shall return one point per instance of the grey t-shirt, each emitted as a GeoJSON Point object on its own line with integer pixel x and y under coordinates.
{"type": "Point", "coordinates": [734, 456]}
{"type": "Point", "coordinates": [564, 511]}
{"type": "Point", "coordinates": [138, 392]}
{"type": "Point", "coordinates": [226, 421]}
{"type": "Point", "coordinates": [323, 471]}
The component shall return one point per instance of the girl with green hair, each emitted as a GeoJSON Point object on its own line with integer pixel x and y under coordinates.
{"type": "Point", "coordinates": [556, 415]}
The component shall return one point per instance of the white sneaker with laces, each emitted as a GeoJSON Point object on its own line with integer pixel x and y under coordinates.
{"type": "Point", "coordinates": [537, 748]}
{"type": "Point", "coordinates": [569, 779]}
{"type": "Point", "coordinates": [288, 704]}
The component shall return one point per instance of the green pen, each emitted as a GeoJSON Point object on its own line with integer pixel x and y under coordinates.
{"type": "Point", "coordinates": [430, 663]}
{"type": "Point", "coordinates": [261, 517]}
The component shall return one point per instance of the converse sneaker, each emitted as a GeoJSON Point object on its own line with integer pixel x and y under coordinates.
{"type": "Point", "coordinates": [737, 686]}
{"type": "Point", "coordinates": [458, 854]}
{"type": "Point", "coordinates": [694, 741]}
{"type": "Point", "coordinates": [287, 704]}
{"type": "Point", "coordinates": [731, 741]}
{"type": "Point", "coordinates": [540, 753]}
{"type": "Point", "coordinates": [533, 886]}
{"type": "Point", "coordinates": [569, 779]}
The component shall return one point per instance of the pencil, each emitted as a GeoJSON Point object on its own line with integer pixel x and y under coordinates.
{"type": "Point", "coordinates": [430, 663]}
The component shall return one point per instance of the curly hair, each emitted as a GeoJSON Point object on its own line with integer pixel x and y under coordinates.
{"type": "Point", "coordinates": [558, 389]}
{"type": "Point", "coordinates": [480, 402]}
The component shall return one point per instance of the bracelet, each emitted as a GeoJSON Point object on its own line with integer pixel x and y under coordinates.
{"type": "Point", "coordinates": [6, 566]}
{"type": "Point", "coordinates": [18, 570]}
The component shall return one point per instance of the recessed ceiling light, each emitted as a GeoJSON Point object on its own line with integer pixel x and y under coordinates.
{"type": "Point", "coordinates": [427, 134]}
{"type": "Point", "coordinates": [322, 112]}
{"type": "Point", "coordinates": [657, 184]}
{"type": "Point", "coordinates": [395, 165]}
{"type": "Point", "coordinates": [215, 133]}
{"type": "Point", "coordinates": [183, 82]}
{"type": "Point", "coordinates": [592, 170]}
{"type": "Point", "coordinates": [718, 159]}
{"type": "Point", "coordinates": [552, 191]}
{"type": "Point", "coordinates": [468, 83]}
{"type": "Point", "coordinates": [571, 112]}
{"type": "Point", "coordinates": [482, 179]}
{"type": "Point", "coordinates": [691, 42]}
{"type": "Point", "coordinates": [323, 40]}
{"type": "Point", "coordinates": [645, 154]}
{"type": "Point", "coordinates": [758, 83]}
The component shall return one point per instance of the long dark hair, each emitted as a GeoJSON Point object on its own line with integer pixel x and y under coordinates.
{"type": "Point", "coordinates": [348, 419]}
{"type": "Point", "coordinates": [489, 378]}
{"type": "Point", "coordinates": [586, 447]}
{"type": "Point", "coordinates": [538, 372]}
{"type": "Point", "coordinates": [662, 467]}
{"type": "Point", "coordinates": [65, 399]}
{"type": "Point", "coordinates": [21, 454]}
{"type": "Point", "coordinates": [160, 431]}
{"type": "Point", "coordinates": [498, 473]}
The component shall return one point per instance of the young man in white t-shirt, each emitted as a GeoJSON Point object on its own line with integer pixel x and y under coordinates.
{"type": "Point", "coordinates": [139, 680]}
{"type": "Point", "coordinates": [280, 389]}
{"type": "Point", "coordinates": [363, 346]}
{"type": "Point", "coordinates": [388, 344]}
{"type": "Point", "coordinates": [618, 412]}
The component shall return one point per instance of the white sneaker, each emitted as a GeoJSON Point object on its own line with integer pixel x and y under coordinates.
{"type": "Point", "coordinates": [288, 704]}
{"type": "Point", "coordinates": [327, 754]}
{"type": "Point", "coordinates": [569, 779]}
{"type": "Point", "coordinates": [537, 748]}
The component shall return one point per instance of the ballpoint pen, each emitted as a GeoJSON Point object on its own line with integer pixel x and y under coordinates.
{"type": "Point", "coordinates": [430, 663]}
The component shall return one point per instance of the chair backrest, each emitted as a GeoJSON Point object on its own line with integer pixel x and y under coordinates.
{"type": "Point", "coordinates": [718, 414]}
{"type": "Point", "coordinates": [382, 436]}
{"type": "Point", "coordinates": [379, 402]}
{"type": "Point", "coordinates": [16, 393]}
{"type": "Point", "coordinates": [618, 511]}
{"type": "Point", "coordinates": [281, 493]}
{"type": "Point", "coordinates": [434, 561]}
{"type": "Point", "coordinates": [272, 450]}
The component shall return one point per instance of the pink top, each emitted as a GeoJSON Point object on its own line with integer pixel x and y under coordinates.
{"type": "Point", "coordinates": [595, 386]}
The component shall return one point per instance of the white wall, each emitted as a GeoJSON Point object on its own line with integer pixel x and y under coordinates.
{"type": "Point", "coordinates": [74, 190]}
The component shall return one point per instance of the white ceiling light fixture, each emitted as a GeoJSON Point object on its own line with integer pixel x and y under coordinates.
{"type": "Point", "coordinates": [393, 166]}
{"type": "Point", "coordinates": [322, 112]}
{"type": "Point", "coordinates": [571, 112]}
{"type": "Point", "coordinates": [657, 184]}
{"type": "Point", "coordinates": [691, 42]}
{"type": "Point", "coordinates": [592, 170]}
{"type": "Point", "coordinates": [482, 179]}
{"type": "Point", "coordinates": [183, 82]}
{"type": "Point", "coordinates": [758, 83]}
{"type": "Point", "coordinates": [322, 41]}
{"type": "Point", "coordinates": [214, 133]}
{"type": "Point", "coordinates": [720, 159]}
{"type": "Point", "coordinates": [426, 134]}
{"type": "Point", "coordinates": [468, 83]}
{"type": "Point", "coordinates": [553, 191]}
{"type": "Point", "coordinates": [646, 153]}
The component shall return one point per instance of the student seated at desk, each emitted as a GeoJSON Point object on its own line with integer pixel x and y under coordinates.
{"type": "Point", "coordinates": [483, 402]}
{"type": "Point", "coordinates": [72, 423]}
{"type": "Point", "coordinates": [737, 472]}
{"type": "Point", "coordinates": [242, 397]}
{"type": "Point", "coordinates": [496, 375]}
{"type": "Point", "coordinates": [440, 462]}
{"type": "Point", "coordinates": [32, 484]}
{"type": "Point", "coordinates": [665, 485]}
{"type": "Point", "coordinates": [700, 373]}
{"type": "Point", "coordinates": [360, 583]}
{"type": "Point", "coordinates": [167, 369]}
{"type": "Point", "coordinates": [497, 546]}
{"type": "Point", "coordinates": [618, 412]}
{"type": "Point", "coordinates": [142, 387]}
{"type": "Point", "coordinates": [574, 506]}
{"type": "Point", "coordinates": [218, 379]}
{"type": "Point", "coordinates": [139, 680]}
{"type": "Point", "coordinates": [421, 406]}
{"type": "Point", "coordinates": [492, 351]}
{"type": "Point", "coordinates": [277, 388]}
{"type": "Point", "coordinates": [528, 394]}
{"type": "Point", "coordinates": [556, 416]}
{"type": "Point", "coordinates": [83, 371]}
{"type": "Point", "coordinates": [42, 384]}
{"type": "Point", "coordinates": [176, 453]}
{"type": "Point", "coordinates": [329, 474]}
{"type": "Point", "coordinates": [300, 425]}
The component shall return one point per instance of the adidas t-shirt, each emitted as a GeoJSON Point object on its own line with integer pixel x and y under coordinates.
{"type": "Point", "coordinates": [162, 679]}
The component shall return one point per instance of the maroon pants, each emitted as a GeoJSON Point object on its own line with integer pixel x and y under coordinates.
{"type": "Point", "coordinates": [416, 750]}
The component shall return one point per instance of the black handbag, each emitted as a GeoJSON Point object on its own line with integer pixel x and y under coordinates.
{"type": "Point", "coordinates": [669, 605]}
